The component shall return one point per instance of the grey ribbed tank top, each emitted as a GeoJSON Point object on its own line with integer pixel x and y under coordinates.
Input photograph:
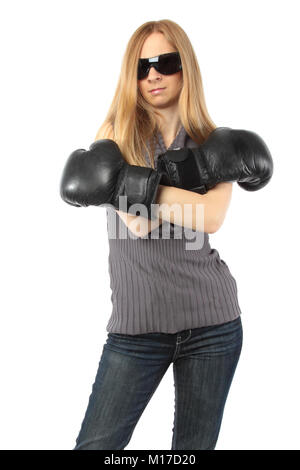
{"type": "Point", "coordinates": [160, 286]}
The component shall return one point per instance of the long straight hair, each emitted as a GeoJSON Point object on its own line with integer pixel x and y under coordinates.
{"type": "Point", "coordinates": [131, 121]}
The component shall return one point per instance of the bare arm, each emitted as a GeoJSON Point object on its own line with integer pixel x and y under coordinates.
{"type": "Point", "coordinates": [138, 224]}
{"type": "Point", "coordinates": [215, 204]}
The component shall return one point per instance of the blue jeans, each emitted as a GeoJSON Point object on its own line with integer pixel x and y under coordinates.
{"type": "Point", "coordinates": [132, 366]}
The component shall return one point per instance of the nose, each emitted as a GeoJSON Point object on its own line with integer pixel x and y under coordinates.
{"type": "Point", "coordinates": [153, 73]}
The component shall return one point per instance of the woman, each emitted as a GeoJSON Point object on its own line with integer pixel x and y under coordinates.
{"type": "Point", "coordinates": [170, 304]}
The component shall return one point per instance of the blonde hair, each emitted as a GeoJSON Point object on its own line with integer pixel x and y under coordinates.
{"type": "Point", "coordinates": [131, 121]}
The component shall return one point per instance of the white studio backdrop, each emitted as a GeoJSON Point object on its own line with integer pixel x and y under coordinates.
{"type": "Point", "coordinates": [60, 65]}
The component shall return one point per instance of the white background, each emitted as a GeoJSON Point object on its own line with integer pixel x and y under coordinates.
{"type": "Point", "coordinates": [60, 63]}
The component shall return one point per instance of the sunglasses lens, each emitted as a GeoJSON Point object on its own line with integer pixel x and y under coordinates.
{"type": "Point", "coordinates": [143, 69]}
{"type": "Point", "coordinates": [169, 64]}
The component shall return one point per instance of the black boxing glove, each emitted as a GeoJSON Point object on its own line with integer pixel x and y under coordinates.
{"type": "Point", "coordinates": [100, 175]}
{"type": "Point", "coordinates": [227, 155]}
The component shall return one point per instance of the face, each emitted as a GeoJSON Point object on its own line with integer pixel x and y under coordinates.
{"type": "Point", "coordinates": [153, 46]}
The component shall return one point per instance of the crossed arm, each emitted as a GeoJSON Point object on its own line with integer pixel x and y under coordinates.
{"type": "Point", "coordinates": [215, 204]}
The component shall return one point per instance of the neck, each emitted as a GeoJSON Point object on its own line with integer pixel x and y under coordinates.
{"type": "Point", "coordinates": [169, 124]}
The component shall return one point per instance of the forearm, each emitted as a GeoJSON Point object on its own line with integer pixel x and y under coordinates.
{"type": "Point", "coordinates": [210, 214]}
{"type": "Point", "coordinates": [191, 210]}
{"type": "Point", "coordinates": [138, 225]}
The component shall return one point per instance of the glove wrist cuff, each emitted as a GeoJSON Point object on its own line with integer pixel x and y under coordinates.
{"type": "Point", "coordinates": [139, 184]}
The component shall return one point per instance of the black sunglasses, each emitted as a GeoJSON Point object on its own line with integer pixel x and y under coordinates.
{"type": "Point", "coordinates": [167, 64]}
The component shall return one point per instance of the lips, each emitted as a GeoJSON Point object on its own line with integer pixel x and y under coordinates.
{"type": "Point", "coordinates": [155, 89]}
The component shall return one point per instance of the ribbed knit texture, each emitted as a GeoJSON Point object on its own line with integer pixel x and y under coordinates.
{"type": "Point", "coordinates": [160, 286]}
